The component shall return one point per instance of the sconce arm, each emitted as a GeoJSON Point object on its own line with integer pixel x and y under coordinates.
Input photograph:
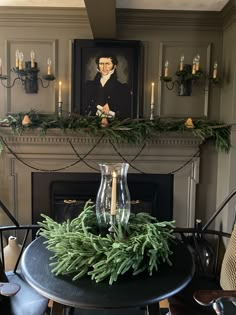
{"type": "Point", "coordinates": [168, 81]}
{"type": "Point", "coordinates": [48, 78]}
{"type": "Point", "coordinates": [28, 78]}
{"type": "Point", "coordinates": [4, 77]}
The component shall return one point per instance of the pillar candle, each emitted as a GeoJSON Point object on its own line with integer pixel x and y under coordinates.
{"type": "Point", "coordinates": [152, 93]}
{"type": "Point", "coordinates": [49, 62]}
{"type": "Point", "coordinates": [215, 70]}
{"type": "Point", "coordinates": [32, 58]}
{"type": "Point", "coordinates": [113, 193]}
{"type": "Point", "coordinates": [59, 92]}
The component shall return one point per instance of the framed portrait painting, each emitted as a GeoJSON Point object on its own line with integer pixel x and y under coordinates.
{"type": "Point", "coordinates": [107, 78]}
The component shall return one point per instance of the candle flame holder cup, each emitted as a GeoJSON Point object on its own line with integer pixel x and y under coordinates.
{"type": "Point", "coordinates": [59, 110]}
{"type": "Point", "coordinates": [113, 197]}
{"type": "Point", "coordinates": [152, 112]}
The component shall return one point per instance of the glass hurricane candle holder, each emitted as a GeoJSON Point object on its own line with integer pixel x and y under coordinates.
{"type": "Point", "coordinates": [113, 198]}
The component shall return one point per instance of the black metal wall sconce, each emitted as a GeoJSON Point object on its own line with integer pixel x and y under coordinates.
{"type": "Point", "coordinates": [187, 75]}
{"type": "Point", "coordinates": [29, 74]}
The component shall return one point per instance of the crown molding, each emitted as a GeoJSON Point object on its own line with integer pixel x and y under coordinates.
{"type": "Point", "coordinates": [131, 18]}
{"type": "Point", "coordinates": [152, 19]}
{"type": "Point", "coordinates": [229, 14]}
{"type": "Point", "coordinates": [22, 16]}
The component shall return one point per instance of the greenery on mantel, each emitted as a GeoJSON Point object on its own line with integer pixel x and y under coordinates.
{"type": "Point", "coordinates": [128, 130]}
{"type": "Point", "coordinates": [78, 248]}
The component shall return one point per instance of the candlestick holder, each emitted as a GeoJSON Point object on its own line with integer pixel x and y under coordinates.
{"type": "Point", "coordinates": [152, 112]}
{"type": "Point", "coordinates": [111, 229]}
{"type": "Point", "coordinates": [59, 110]}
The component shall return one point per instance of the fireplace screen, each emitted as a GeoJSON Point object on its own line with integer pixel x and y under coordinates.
{"type": "Point", "coordinates": [63, 195]}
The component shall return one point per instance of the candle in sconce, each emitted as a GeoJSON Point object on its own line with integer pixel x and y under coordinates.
{"type": "Point", "coordinates": [0, 66]}
{"type": "Point", "coordinates": [113, 193]}
{"type": "Point", "coordinates": [215, 69]}
{"type": "Point", "coordinates": [32, 58]}
{"type": "Point", "coordinates": [17, 58]}
{"type": "Point", "coordinates": [21, 58]}
{"type": "Point", "coordinates": [197, 59]}
{"type": "Point", "coordinates": [166, 70]}
{"type": "Point", "coordinates": [152, 93]}
{"type": "Point", "coordinates": [181, 65]}
{"type": "Point", "coordinates": [49, 63]}
{"type": "Point", "coordinates": [194, 66]}
{"type": "Point", "coordinates": [59, 92]}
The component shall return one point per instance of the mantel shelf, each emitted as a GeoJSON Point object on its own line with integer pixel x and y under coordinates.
{"type": "Point", "coordinates": [57, 136]}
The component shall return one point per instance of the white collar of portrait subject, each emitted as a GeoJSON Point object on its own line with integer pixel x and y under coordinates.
{"type": "Point", "coordinates": [106, 77]}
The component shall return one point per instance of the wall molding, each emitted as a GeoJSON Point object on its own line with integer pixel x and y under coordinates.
{"type": "Point", "coordinates": [132, 18]}
{"type": "Point", "coordinates": [45, 17]}
{"type": "Point", "coordinates": [169, 19]}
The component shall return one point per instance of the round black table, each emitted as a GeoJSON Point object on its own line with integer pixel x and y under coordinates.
{"type": "Point", "coordinates": [128, 292]}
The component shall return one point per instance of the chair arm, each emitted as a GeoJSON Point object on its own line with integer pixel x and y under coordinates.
{"type": "Point", "coordinates": [9, 289]}
{"type": "Point", "coordinates": [208, 297]}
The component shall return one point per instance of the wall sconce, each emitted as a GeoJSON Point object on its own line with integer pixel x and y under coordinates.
{"type": "Point", "coordinates": [187, 75]}
{"type": "Point", "coordinates": [28, 75]}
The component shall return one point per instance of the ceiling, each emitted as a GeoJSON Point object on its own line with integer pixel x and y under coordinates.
{"type": "Point", "coordinates": [197, 5]}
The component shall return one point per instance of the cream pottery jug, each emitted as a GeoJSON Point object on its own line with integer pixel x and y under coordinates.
{"type": "Point", "coordinates": [11, 253]}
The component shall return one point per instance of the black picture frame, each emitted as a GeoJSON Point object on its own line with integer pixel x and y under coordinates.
{"type": "Point", "coordinates": [129, 74]}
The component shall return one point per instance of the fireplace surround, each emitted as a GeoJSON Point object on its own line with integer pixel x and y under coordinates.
{"type": "Point", "coordinates": [152, 193]}
{"type": "Point", "coordinates": [164, 154]}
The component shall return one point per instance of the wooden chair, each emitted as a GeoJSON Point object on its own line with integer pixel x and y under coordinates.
{"type": "Point", "coordinates": [16, 296]}
{"type": "Point", "coordinates": [205, 294]}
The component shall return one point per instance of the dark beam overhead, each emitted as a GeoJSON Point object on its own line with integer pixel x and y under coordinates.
{"type": "Point", "coordinates": [102, 18]}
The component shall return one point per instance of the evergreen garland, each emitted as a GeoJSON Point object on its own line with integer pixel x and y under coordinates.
{"type": "Point", "coordinates": [78, 248]}
{"type": "Point", "coordinates": [128, 130]}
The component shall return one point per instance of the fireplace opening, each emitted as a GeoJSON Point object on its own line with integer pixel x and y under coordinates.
{"type": "Point", "coordinates": [63, 195]}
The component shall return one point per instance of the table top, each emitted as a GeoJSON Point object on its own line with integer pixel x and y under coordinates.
{"type": "Point", "coordinates": [129, 291]}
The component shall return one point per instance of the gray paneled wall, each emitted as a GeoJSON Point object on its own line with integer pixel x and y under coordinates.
{"type": "Point", "coordinates": [50, 32]}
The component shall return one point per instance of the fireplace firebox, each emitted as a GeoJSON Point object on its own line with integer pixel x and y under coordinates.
{"type": "Point", "coordinates": [59, 194]}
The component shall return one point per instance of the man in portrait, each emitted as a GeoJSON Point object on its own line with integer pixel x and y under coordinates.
{"type": "Point", "coordinates": [106, 94]}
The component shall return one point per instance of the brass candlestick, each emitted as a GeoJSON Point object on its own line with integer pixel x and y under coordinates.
{"type": "Point", "coordinates": [59, 110]}
{"type": "Point", "coordinates": [152, 112]}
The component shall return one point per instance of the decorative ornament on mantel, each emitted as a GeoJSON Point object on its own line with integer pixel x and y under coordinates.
{"type": "Point", "coordinates": [26, 121]}
{"type": "Point", "coordinates": [123, 131]}
{"type": "Point", "coordinates": [189, 123]}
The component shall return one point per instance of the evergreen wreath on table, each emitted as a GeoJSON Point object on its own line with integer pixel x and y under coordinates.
{"type": "Point", "coordinates": [128, 130]}
{"type": "Point", "coordinates": [79, 249]}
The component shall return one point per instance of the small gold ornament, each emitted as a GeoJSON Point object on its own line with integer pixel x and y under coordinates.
{"type": "Point", "coordinates": [189, 123]}
{"type": "Point", "coordinates": [26, 120]}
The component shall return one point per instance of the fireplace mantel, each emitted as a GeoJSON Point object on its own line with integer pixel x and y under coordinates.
{"type": "Point", "coordinates": [31, 152]}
